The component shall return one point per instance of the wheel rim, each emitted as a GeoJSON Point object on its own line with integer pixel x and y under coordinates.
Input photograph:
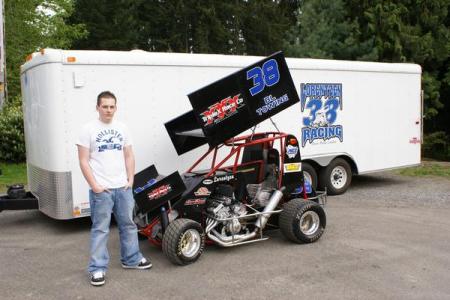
{"type": "Point", "coordinates": [190, 243]}
{"type": "Point", "coordinates": [309, 222]}
{"type": "Point", "coordinates": [308, 177]}
{"type": "Point", "coordinates": [338, 177]}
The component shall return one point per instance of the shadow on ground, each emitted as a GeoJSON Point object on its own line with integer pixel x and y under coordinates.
{"type": "Point", "coordinates": [364, 181]}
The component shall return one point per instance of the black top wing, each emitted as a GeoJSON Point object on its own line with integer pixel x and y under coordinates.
{"type": "Point", "coordinates": [234, 104]}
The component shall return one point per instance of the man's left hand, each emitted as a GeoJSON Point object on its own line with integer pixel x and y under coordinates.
{"type": "Point", "coordinates": [128, 185]}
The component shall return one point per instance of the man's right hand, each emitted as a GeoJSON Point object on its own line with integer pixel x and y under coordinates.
{"type": "Point", "coordinates": [99, 189]}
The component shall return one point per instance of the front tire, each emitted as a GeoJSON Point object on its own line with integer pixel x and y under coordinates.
{"type": "Point", "coordinates": [302, 221]}
{"type": "Point", "coordinates": [336, 177]}
{"type": "Point", "coordinates": [184, 241]}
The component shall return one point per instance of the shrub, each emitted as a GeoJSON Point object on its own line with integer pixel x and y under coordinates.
{"type": "Point", "coordinates": [436, 145]}
{"type": "Point", "coordinates": [12, 145]}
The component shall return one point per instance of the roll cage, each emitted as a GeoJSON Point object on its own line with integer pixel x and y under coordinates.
{"type": "Point", "coordinates": [257, 142]}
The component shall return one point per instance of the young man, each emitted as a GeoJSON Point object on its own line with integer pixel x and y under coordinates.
{"type": "Point", "coordinates": [107, 162]}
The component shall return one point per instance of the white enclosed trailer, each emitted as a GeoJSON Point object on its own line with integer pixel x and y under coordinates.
{"type": "Point", "coordinates": [353, 117]}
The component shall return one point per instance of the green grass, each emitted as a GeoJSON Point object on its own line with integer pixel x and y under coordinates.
{"type": "Point", "coordinates": [428, 169]}
{"type": "Point", "coordinates": [17, 173]}
{"type": "Point", "coordinates": [12, 173]}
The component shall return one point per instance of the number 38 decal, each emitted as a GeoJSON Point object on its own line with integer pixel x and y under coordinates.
{"type": "Point", "coordinates": [327, 112]}
{"type": "Point", "coordinates": [268, 75]}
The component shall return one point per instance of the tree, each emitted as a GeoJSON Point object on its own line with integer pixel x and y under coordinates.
{"type": "Point", "coordinates": [382, 30]}
{"type": "Point", "coordinates": [324, 29]}
{"type": "Point", "coordinates": [111, 24]}
{"type": "Point", "coordinates": [31, 25]}
{"type": "Point", "coordinates": [265, 24]}
{"type": "Point", "coordinates": [419, 32]}
{"type": "Point", "coordinates": [209, 26]}
{"type": "Point", "coordinates": [187, 26]}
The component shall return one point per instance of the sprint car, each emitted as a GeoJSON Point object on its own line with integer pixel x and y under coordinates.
{"type": "Point", "coordinates": [242, 185]}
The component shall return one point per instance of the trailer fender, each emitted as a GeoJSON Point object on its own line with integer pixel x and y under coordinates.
{"type": "Point", "coordinates": [325, 160]}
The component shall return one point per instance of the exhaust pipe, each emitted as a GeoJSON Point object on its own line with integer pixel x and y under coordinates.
{"type": "Point", "coordinates": [228, 241]}
{"type": "Point", "coordinates": [273, 202]}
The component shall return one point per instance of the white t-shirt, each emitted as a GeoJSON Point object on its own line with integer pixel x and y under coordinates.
{"type": "Point", "coordinates": [105, 142]}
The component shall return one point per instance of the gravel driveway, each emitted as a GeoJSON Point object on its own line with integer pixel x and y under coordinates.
{"type": "Point", "coordinates": [388, 237]}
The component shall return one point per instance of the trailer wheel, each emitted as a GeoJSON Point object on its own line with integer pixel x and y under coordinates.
{"type": "Point", "coordinates": [183, 242]}
{"type": "Point", "coordinates": [302, 221]}
{"type": "Point", "coordinates": [336, 177]}
{"type": "Point", "coordinates": [310, 174]}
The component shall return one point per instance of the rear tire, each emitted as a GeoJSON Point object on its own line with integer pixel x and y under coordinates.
{"type": "Point", "coordinates": [183, 242]}
{"type": "Point", "coordinates": [310, 174]}
{"type": "Point", "coordinates": [302, 221]}
{"type": "Point", "coordinates": [336, 177]}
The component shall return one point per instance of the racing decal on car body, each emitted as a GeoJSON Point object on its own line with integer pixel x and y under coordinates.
{"type": "Point", "coordinates": [198, 201]}
{"type": "Point", "coordinates": [145, 186]}
{"type": "Point", "coordinates": [218, 179]}
{"type": "Point", "coordinates": [299, 189]}
{"type": "Point", "coordinates": [320, 102]}
{"type": "Point", "coordinates": [202, 191]}
{"type": "Point", "coordinates": [223, 178]}
{"type": "Point", "coordinates": [159, 192]}
{"type": "Point", "coordinates": [292, 167]}
{"type": "Point", "coordinates": [291, 151]}
{"type": "Point", "coordinates": [222, 110]}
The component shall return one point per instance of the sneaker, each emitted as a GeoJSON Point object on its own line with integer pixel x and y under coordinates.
{"type": "Point", "coordinates": [98, 278]}
{"type": "Point", "coordinates": [143, 264]}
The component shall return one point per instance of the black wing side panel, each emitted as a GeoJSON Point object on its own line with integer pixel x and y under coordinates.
{"type": "Point", "coordinates": [152, 190]}
{"type": "Point", "coordinates": [185, 133]}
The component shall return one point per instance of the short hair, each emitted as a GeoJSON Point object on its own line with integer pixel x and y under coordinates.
{"type": "Point", "coordinates": [105, 94]}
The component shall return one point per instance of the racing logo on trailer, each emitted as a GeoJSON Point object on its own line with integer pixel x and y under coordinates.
{"type": "Point", "coordinates": [321, 102]}
{"type": "Point", "coordinates": [159, 192]}
{"type": "Point", "coordinates": [222, 110]}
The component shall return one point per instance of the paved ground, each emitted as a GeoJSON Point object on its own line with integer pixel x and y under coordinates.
{"type": "Point", "coordinates": [388, 237]}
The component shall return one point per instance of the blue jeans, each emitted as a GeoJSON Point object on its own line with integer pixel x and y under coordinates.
{"type": "Point", "coordinates": [121, 203]}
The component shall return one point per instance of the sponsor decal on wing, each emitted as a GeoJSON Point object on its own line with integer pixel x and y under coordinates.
{"type": "Point", "coordinates": [222, 110]}
{"type": "Point", "coordinates": [159, 192]}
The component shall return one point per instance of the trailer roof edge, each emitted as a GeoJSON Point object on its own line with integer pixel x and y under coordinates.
{"type": "Point", "coordinates": [140, 57]}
